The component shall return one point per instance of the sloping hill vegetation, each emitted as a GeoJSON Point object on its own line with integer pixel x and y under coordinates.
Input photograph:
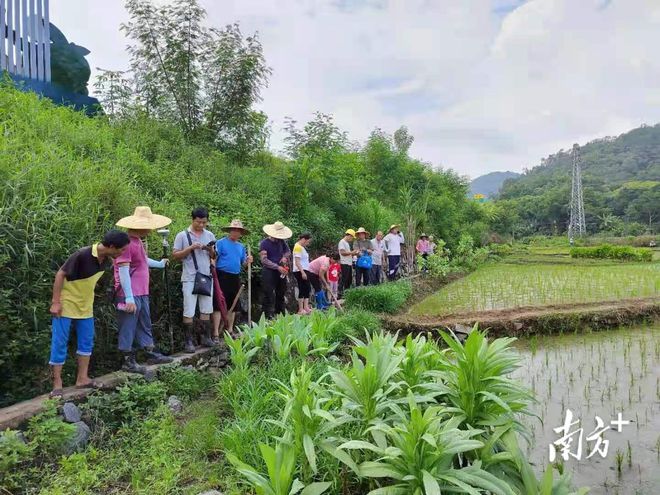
{"type": "Point", "coordinates": [621, 181]}
{"type": "Point", "coordinates": [66, 178]}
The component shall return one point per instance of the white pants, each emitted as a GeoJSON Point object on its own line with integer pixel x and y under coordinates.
{"type": "Point", "coordinates": [190, 301]}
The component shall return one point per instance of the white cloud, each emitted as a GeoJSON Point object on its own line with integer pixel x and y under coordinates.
{"type": "Point", "coordinates": [483, 85]}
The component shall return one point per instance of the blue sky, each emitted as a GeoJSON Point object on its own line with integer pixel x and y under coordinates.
{"type": "Point", "coordinates": [483, 85]}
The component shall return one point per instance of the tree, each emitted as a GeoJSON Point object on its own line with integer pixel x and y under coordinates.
{"type": "Point", "coordinates": [320, 136]}
{"type": "Point", "coordinates": [403, 140]}
{"type": "Point", "coordinates": [206, 81]}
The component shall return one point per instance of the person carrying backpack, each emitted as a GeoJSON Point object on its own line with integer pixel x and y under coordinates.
{"type": "Point", "coordinates": [363, 248]}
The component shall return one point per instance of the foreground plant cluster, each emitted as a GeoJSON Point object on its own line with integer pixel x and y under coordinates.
{"type": "Point", "coordinates": [302, 411]}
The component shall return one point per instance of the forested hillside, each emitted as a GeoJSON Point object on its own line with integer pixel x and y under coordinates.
{"type": "Point", "coordinates": [621, 181]}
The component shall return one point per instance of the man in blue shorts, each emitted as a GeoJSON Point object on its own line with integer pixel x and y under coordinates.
{"type": "Point", "coordinates": [73, 302]}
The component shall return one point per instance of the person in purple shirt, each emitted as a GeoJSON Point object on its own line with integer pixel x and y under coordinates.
{"type": "Point", "coordinates": [274, 254]}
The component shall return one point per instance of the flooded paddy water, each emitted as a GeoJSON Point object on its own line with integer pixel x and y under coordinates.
{"type": "Point", "coordinates": [598, 374]}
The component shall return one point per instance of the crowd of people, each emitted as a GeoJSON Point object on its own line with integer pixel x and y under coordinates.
{"type": "Point", "coordinates": [210, 282]}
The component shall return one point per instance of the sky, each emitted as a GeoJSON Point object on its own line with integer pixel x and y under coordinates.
{"type": "Point", "coordinates": [482, 85]}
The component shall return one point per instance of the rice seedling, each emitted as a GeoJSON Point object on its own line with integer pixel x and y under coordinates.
{"type": "Point", "coordinates": [619, 462]}
{"type": "Point", "coordinates": [500, 286]}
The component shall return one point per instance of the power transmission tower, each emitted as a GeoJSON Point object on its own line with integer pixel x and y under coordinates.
{"type": "Point", "coordinates": [577, 225]}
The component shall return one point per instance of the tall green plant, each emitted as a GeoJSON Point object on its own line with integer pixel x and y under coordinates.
{"type": "Point", "coordinates": [281, 470]}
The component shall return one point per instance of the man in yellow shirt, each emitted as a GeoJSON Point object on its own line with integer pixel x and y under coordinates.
{"type": "Point", "coordinates": [73, 301]}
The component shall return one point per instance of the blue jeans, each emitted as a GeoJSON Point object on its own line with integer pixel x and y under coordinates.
{"type": "Point", "coordinates": [375, 274]}
{"type": "Point", "coordinates": [60, 338]}
{"type": "Point", "coordinates": [135, 327]}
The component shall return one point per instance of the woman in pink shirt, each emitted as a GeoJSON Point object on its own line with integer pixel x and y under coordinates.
{"type": "Point", "coordinates": [318, 276]}
{"type": "Point", "coordinates": [423, 248]}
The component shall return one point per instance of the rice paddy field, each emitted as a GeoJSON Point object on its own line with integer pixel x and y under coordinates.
{"type": "Point", "coordinates": [599, 374]}
{"type": "Point", "coordinates": [516, 284]}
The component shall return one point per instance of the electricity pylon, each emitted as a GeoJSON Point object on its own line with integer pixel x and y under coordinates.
{"type": "Point", "coordinates": [577, 225]}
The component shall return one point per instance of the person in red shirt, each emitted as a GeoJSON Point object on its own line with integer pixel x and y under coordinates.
{"type": "Point", "coordinates": [333, 276]}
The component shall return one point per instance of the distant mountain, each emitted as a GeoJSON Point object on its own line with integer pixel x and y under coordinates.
{"type": "Point", "coordinates": [620, 179]}
{"type": "Point", "coordinates": [490, 184]}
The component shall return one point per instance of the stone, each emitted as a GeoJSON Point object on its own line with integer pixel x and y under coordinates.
{"type": "Point", "coordinates": [464, 329]}
{"type": "Point", "coordinates": [80, 438]}
{"type": "Point", "coordinates": [175, 404]}
{"type": "Point", "coordinates": [150, 376]}
{"type": "Point", "coordinates": [517, 325]}
{"type": "Point", "coordinates": [71, 413]}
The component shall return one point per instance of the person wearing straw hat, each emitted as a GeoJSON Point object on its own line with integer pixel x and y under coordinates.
{"type": "Point", "coordinates": [346, 254]}
{"type": "Point", "coordinates": [132, 290]}
{"type": "Point", "coordinates": [422, 249]}
{"type": "Point", "coordinates": [191, 247]}
{"type": "Point", "coordinates": [393, 241]}
{"type": "Point", "coordinates": [274, 253]}
{"type": "Point", "coordinates": [364, 262]}
{"type": "Point", "coordinates": [231, 255]}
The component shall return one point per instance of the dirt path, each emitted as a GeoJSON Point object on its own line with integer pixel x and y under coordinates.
{"type": "Point", "coordinates": [541, 319]}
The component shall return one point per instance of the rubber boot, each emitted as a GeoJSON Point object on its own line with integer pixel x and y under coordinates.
{"type": "Point", "coordinates": [188, 344]}
{"type": "Point", "coordinates": [319, 301]}
{"type": "Point", "coordinates": [155, 357]}
{"type": "Point", "coordinates": [130, 365]}
{"type": "Point", "coordinates": [324, 299]}
{"type": "Point", "coordinates": [207, 331]}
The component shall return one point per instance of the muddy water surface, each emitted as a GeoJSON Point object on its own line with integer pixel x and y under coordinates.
{"type": "Point", "coordinates": [599, 374]}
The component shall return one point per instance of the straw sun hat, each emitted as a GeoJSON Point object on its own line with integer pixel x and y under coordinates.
{"type": "Point", "coordinates": [236, 224]}
{"type": "Point", "coordinates": [278, 230]}
{"type": "Point", "coordinates": [362, 230]}
{"type": "Point", "coordinates": [143, 219]}
{"type": "Point", "coordinates": [395, 226]}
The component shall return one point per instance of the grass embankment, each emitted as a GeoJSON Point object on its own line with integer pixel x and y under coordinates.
{"type": "Point", "coordinates": [301, 408]}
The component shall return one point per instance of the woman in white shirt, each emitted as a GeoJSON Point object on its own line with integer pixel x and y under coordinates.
{"type": "Point", "coordinates": [301, 272]}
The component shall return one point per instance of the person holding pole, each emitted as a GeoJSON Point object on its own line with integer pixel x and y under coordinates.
{"type": "Point", "coordinates": [73, 302]}
{"type": "Point", "coordinates": [274, 253]}
{"type": "Point", "coordinates": [191, 248]}
{"type": "Point", "coordinates": [346, 254]}
{"type": "Point", "coordinates": [230, 256]}
{"type": "Point", "coordinates": [132, 290]}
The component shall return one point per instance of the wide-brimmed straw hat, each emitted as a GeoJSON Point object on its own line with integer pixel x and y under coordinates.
{"type": "Point", "coordinates": [143, 219]}
{"type": "Point", "coordinates": [236, 225]}
{"type": "Point", "coordinates": [278, 230]}
{"type": "Point", "coordinates": [350, 232]}
{"type": "Point", "coordinates": [423, 235]}
{"type": "Point", "coordinates": [395, 226]}
{"type": "Point", "coordinates": [362, 230]}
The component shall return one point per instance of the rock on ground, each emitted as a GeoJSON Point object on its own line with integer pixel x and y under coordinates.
{"type": "Point", "coordinates": [71, 412]}
{"type": "Point", "coordinates": [175, 405]}
{"type": "Point", "coordinates": [80, 438]}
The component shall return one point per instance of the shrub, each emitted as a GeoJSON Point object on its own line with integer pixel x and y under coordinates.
{"type": "Point", "coordinates": [131, 403]}
{"type": "Point", "coordinates": [185, 383]}
{"type": "Point", "coordinates": [383, 298]}
{"type": "Point", "coordinates": [48, 433]}
{"type": "Point", "coordinates": [356, 322]}
{"type": "Point", "coordinates": [13, 451]}
{"type": "Point", "coordinates": [608, 251]}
